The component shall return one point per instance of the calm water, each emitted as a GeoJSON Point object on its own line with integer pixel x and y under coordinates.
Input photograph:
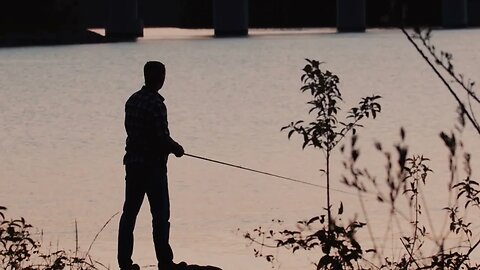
{"type": "Point", "coordinates": [62, 134]}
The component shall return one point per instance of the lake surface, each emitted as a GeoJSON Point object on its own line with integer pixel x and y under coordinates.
{"type": "Point", "coordinates": [62, 136]}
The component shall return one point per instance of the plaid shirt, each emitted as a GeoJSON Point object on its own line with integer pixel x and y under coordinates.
{"type": "Point", "coordinates": [148, 137]}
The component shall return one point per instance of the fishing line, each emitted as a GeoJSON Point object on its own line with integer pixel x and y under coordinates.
{"type": "Point", "coordinates": [266, 173]}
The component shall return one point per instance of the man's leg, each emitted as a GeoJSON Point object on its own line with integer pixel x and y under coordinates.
{"type": "Point", "coordinates": [158, 198]}
{"type": "Point", "coordinates": [134, 194]}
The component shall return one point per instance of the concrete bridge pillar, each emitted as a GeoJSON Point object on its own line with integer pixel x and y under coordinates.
{"type": "Point", "coordinates": [124, 22]}
{"type": "Point", "coordinates": [230, 17]}
{"type": "Point", "coordinates": [454, 13]}
{"type": "Point", "coordinates": [351, 16]}
{"type": "Point", "coordinates": [474, 13]}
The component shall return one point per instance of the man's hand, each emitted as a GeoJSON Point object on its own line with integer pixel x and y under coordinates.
{"type": "Point", "coordinates": [178, 152]}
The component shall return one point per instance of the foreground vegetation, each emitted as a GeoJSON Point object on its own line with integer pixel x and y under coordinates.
{"type": "Point", "coordinates": [20, 251]}
{"type": "Point", "coordinates": [400, 190]}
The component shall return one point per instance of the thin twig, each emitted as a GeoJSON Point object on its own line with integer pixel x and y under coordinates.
{"type": "Point", "coordinates": [76, 238]}
{"type": "Point", "coordinates": [98, 233]}
{"type": "Point", "coordinates": [450, 72]}
{"type": "Point", "coordinates": [415, 226]}
{"type": "Point", "coordinates": [410, 254]}
{"type": "Point", "coordinates": [102, 265]}
{"type": "Point", "coordinates": [427, 212]}
{"type": "Point", "coordinates": [369, 227]}
{"type": "Point", "coordinates": [470, 92]}
{"type": "Point", "coordinates": [468, 253]}
{"type": "Point", "coordinates": [262, 244]}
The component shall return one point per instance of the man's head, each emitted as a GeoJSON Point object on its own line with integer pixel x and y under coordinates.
{"type": "Point", "coordinates": [154, 73]}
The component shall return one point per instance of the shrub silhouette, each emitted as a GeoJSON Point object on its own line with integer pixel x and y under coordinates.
{"type": "Point", "coordinates": [19, 250]}
{"type": "Point", "coordinates": [337, 241]}
{"type": "Point", "coordinates": [400, 189]}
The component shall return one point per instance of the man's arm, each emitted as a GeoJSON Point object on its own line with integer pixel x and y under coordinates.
{"type": "Point", "coordinates": [177, 149]}
{"type": "Point", "coordinates": [163, 133]}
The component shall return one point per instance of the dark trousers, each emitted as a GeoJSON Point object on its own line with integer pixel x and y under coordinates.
{"type": "Point", "coordinates": [141, 179]}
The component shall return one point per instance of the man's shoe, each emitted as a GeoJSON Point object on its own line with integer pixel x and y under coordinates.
{"type": "Point", "coordinates": [179, 266]}
{"type": "Point", "coordinates": [132, 267]}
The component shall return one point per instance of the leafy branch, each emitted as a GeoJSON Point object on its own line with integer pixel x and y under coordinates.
{"type": "Point", "coordinates": [325, 132]}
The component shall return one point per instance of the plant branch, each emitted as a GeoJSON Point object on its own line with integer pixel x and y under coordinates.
{"type": "Point", "coordinates": [448, 69]}
{"type": "Point", "coordinates": [369, 227]}
{"type": "Point", "coordinates": [459, 101]}
{"type": "Point", "coordinates": [410, 254]}
{"type": "Point", "coordinates": [98, 233]}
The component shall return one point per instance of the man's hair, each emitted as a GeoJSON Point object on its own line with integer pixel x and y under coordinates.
{"type": "Point", "coordinates": [153, 72]}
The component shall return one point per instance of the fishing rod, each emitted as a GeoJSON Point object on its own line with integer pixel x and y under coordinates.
{"type": "Point", "coordinates": [265, 173]}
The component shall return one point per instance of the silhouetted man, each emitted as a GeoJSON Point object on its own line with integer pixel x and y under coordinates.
{"type": "Point", "coordinates": [147, 148]}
